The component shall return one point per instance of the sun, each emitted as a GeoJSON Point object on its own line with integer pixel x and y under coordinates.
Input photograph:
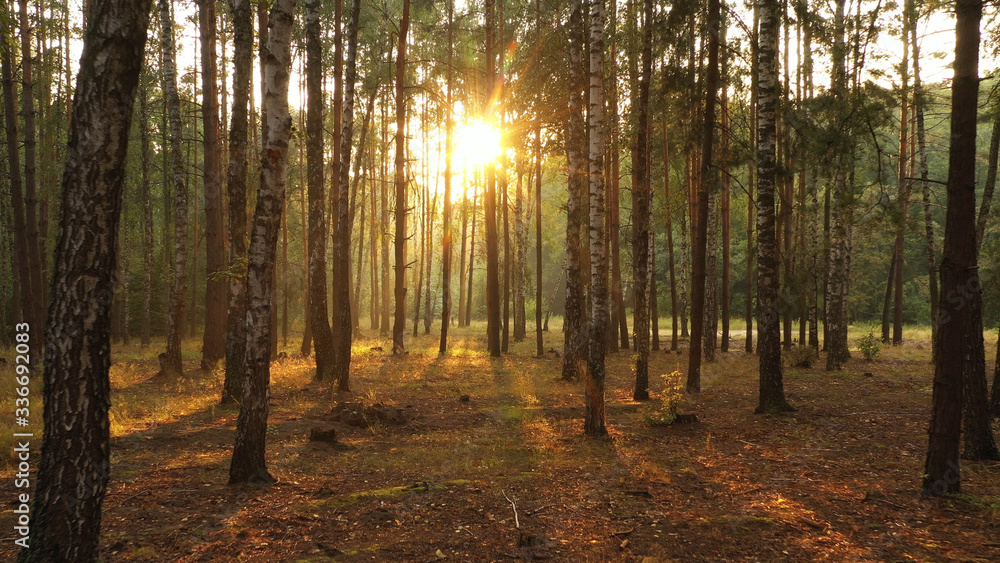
{"type": "Point", "coordinates": [476, 143]}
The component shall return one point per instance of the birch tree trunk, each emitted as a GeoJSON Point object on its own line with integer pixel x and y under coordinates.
{"type": "Point", "coordinates": [772, 391]}
{"type": "Point", "coordinates": [75, 461]}
{"type": "Point", "coordinates": [594, 415]}
{"type": "Point", "coordinates": [248, 463]}
{"type": "Point", "coordinates": [342, 245]}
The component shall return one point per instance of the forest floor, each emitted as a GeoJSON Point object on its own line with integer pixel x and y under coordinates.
{"type": "Point", "coordinates": [837, 480]}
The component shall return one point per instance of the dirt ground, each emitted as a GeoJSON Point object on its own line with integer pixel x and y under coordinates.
{"type": "Point", "coordinates": [488, 463]}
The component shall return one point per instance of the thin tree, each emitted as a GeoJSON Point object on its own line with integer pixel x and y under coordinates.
{"type": "Point", "coordinates": [399, 323]}
{"type": "Point", "coordinates": [446, 239]}
{"type": "Point", "coordinates": [490, 201]}
{"type": "Point", "coordinates": [171, 361]}
{"type": "Point", "coordinates": [236, 185]}
{"type": "Point", "coordinates": [76, 450]}
{"type": "Point", "coordinates": [322, 335]}
{"type": "Point", "coordinates": [594, 414]}
{"type": "Point", "coordinates": [959, 273]}
{"type": "Point", "coordinates": [248, 464]}
{"type": "Point", "coordinates": [708, 175]}
{"type": "Point", "coordinates": [772, 391]}
{"type": "Point", "coordinates": [642, 199]}
{"type": "Point", "coordinates": [574, 320]}
{"type": "Point", "coordinates": [342, 244]}
{"type": "Point", "coordinates": [539, 342]}
{"type": "Point", "coordinates": [214, 341]}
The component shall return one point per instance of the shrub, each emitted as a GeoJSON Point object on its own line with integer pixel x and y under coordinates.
{"type": "Point", "coordinates": [869, 346]}
{"type": "Point", "coordinates": [801, 356]}
{"type": "Point", "coordinates": [673, 394]}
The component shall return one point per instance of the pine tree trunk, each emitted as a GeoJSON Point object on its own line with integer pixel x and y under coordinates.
{"type": "Point", "coordinates": [321, 331]}
{"type": "Point", "coordinates": [836, 319]}
{"type": "Point", "coordinates": [955, 340]}
{"type": "Point", "coordinates": [446, 238]}
{"type": "Point", "coordinates": [520, 257]}
{"type": "Point", "coordinates": [574, 320]}
{"type": "Point", "coordinates": [236, 185]}
{"type": "Point", "coordinates": [35, 248]}
{"type": "Point", "coordinates": [670, 238]}
{"type": "Point", "coordinates": [75, 461]}
{"type": "Point", "coordinates": [147, 215]}
{"type": "Point", "coordinates": [214, 342]}
{"type": "Point", "coordinates": [248, 463]}
{"type": "Point", "coordinates": [399, 324]}
{"type": "Point", "coordinates": [772, 393]}
{"type": "Point", "coordinates": [903, 183]}
{"type": "Point", "coordinates": [539, 341]}
{"type": "Point", "coordinates": [751, 179]}
{"type": "Point", "coordinates": [642, 199]}
{"type": "Point", "coordinates": [171, 362]}
{"type": "Point", "coordinates": [21, 247]}
{"type": "Point", "coordinates": [707, 183]}
{"type": "Point", "coordinates": [490, 206]}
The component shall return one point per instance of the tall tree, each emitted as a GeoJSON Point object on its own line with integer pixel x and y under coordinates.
{"type": "Point", "coordinates": [772, 391]}
{"type": "Point", "coordinates": [708, 176]}
{"type": "Point", "coordinates": [574, 320]}
{"type": "Point", "coordinates": [75, 463]}
{"type": "Point", "coordinates": [35, 261]}
{"type": "Point", "coordinates": [342, 246]}
{"type": "Point", "coordinates": [959, 273]}
{"type": "Point", "coordinates": [838, 260]}
{"type": "Point", "coordinates": [171, 361]}
{"type": "Point", "coordinates": [490, 199]}
{"type": "Point", "coordinates": [214, 342]}
{"type": "Point", "coordinates": [446, 239]}
{"type": "Point", "coordinates": [322, 336]}
{"type": "Point", "coordinates": [248, 464]}
{"type": "Point", "coordinates": [236, 185]}
{"type": "Point", "coordinates": [594, 375]}
{"type": "Point", "coordinates": [399, 323]}
{"type": "Point", "coordinates": [642, 199]}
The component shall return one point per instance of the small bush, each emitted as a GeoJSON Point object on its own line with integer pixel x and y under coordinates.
{"type": "Point", "coordinates": [801, 356]}
{"type": "Point", "coordinates": [869, 346]}
{"type": "Point", "coordinates": [670, 405]}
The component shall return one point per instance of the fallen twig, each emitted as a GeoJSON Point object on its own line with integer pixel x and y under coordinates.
{"type": "Point", "coordinates": [623, 532]}
{"type": "Point", "coordinates": [517, 523]}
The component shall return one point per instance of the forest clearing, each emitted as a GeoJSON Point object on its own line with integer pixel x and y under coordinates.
{"type": "Point", "coordinates": [836, 480]}
{"type": "Point", "coordinates": [277, 277]}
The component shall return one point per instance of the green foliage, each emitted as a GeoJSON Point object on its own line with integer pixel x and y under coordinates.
{"type": "Point", "coordinates": [869, 346]}
{"type": "Point", "coordinates": [673, 395]}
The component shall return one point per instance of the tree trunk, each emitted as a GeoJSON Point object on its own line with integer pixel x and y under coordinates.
{"type": "Point", "coordinates": [35, 249]}
{"type": "Point", "coordinates": [214, 342]}
{"type": "Point", "coordinates": [248, 463]}
{"type": "Point", "coordinates": [342, 244]}
{"type": "Point", "coordinates": [75, 461]}
{"type": "Point", "coordinates": [22, 248]}
{"type": "Point", "coordinates": [594, 414]}
{"type": "Point", "coordinates": [236, 185]}
{"type": "Point", "coordinates": [836, 319]}
{"type": "Point", "coordinates": [539, 341]}
{"type": "Point", "coordinates": [171, 362]}
{"type": "Point", "coordinates": [574, 320]}
{"type": "Point", "coordinates": [708, 175]}
{"type": "Point", "coordinates": [772, 391]}
{"type": "Point", "coordinates": [147, 215]}
{"type": "Point", "coordinates": [446, 239]}
{"type": "Point", "coordinates": [399, 324]}
{"type": "Point", "coordinates": [642, 199]}
{"type": "Point", "coordinates": [321, 331]}
{"type": "Point", "coordinates": [670, 238]}
{"type": "Point", "coordinates": [960, 286]}
{"type": "Point", "coordinates": [490, 204]}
